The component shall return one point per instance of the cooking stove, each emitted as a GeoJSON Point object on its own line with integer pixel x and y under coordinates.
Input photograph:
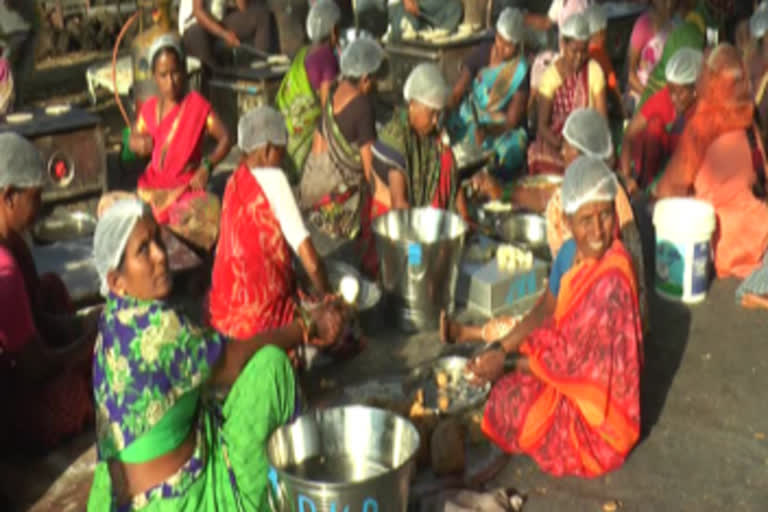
{"type": "Point", "coordinates": [73, 149]}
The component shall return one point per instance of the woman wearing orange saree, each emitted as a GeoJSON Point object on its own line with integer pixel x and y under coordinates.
{"type": "Point", "coordinates": [720, 159]}
{"type": "Point", "coordinates": [573, 401]}
{"type": "Point", "coordinates": [171, 128]}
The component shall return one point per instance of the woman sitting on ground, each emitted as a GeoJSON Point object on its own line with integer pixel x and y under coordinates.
{"type": "Point", "coordinates": [413, 161]}
{"type": "Point", "coordinates": [306, 86]}
{"type": "Point", "coordinates": [494, 88]}
{"type": "Point", "coordinates": [165, 439]}
{"type": "Point", "coordinates": [171, 127]}
{"type": "Point", "coordinates": [44, 348]}
{"type": "Point", "coordinates": [646, 44]}
{"type": "Point", "coordinates": [652, 135]}
{"type": "Point", "coordinates": [254, 287]}
{"type": "Point", "coordinates": [573, 401]}
{"type": "Point", "coordinates": [720, 159]}
{"type": "Point", "coordinates": [572, 81]}
{"type": "Point", "coordinates": [585, 133]}
{"type": "Point", "coordinates": [334, 189]}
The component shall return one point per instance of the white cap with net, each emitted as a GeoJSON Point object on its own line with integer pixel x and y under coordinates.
{"type": "Point", "coordinates": [259, 127]}
{"type": "Point", "coordinates": [426, 85]}
{"type": "Point", "coordinates": [588, 131]}
{"type": "Point", "coordinates": [684, 66]}
{"type": "Point", "coordinates": [587, 180]}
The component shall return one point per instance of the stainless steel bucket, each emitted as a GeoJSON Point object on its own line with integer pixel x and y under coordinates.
{"type": "Point", "coordinates": [419, 252]}
{"type": "Point", "coordinates": [350, 458]}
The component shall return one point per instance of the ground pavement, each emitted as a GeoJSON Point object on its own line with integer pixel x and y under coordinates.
{"type": "Point", "coordinates": [705, 445]}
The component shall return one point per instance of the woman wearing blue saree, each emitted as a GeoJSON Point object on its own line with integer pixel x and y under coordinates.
{"type": "Point", "coordinates": [492, 94]}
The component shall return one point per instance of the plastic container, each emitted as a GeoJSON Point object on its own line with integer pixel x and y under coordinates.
{"type": "Point", "coordinates": [684, 230]}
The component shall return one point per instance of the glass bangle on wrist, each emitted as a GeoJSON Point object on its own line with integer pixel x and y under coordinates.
{"type": "Point", "coordinates": [207, 164]}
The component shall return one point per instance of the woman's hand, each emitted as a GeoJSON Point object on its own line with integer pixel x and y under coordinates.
{"type": "Point", "coordinates": [485, 185]}
{"type": "Point", "coordinates": [142, 144]}
{"type": "Point", "coordinates": [231, 39]}
{"type": "Point", "coordinates": [487, 367]}
{"type": "Point", "coordinates": [200, 180]}
{"type": "Point", "coordinates": [412, 7]}
{"type": "Point", "coordinates": [328, 319]}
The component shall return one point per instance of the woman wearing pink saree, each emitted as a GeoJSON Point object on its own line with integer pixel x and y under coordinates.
{"type": "Point", "coordinates": [171, 128]}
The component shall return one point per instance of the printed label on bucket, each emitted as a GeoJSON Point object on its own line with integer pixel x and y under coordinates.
{"type": "Point", "coordinates": [670, 268]}
{"type": "Point", "coordinates": [414, 254]}
{"type": "Point", "coordinates": [700, 274]}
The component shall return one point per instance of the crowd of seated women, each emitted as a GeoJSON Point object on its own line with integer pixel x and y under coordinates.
{"type": "Point", "coordinates": [184, 405]}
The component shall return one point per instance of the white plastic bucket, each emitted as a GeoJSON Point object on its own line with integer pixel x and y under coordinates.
{"type": "Point", "coordinates": [684, 230]}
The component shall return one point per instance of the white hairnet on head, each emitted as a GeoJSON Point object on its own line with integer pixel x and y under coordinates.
{"type": "Point", "coordinates": [684, 66]}
{"type": "Point", "coordinates": [21, 165]}
{"type": "Point", "coordinates": [575, 27]}
{"type": "Point", "coordinates": [588, 131]}
{"type": "Point", "coordinates": [112, 233]}
{"type": "Point", "coordinates": [758, 23]}
{"type": "Point", "coordinates": [426, 84]}
{"type": "Point", "coordinates": [259, 127]}
{"type": "Point", "coordinates": [322, 17]}
{"type": "Point", "coordinates": [166, 41]}
{"type": "Point", "coordinates": [587, 180]}
{"type": "Point", "coordinates": [511, 25]}
{"type": "Point", "coordinates": [361, 57]}
{"type": "Point", "coordinates": [596, 18]}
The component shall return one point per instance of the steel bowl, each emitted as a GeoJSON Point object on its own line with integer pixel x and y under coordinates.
{"type": "Point", "coordinates": [528, 231]}
{"type": "Point", "coordinates": [62, 227]}
{"type": "Point", "coordinates": [462, 396]}
{"type": "Point", "coordinates": [541, 181]}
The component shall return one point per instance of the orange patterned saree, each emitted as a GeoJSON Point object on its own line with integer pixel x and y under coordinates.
{"type": "Point", "coordinates": [578, 410]}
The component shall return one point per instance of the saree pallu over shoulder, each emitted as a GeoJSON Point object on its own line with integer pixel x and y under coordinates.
{"type": "Point", "coordinates": [300, 106]}
{"type": "Point", "coordinates": [253, 283]}
{"type": "Point", "coordinates": [333, 182]}
{"type": "Point", "coordinates": [177, 139]}
{"type": "Point", "coordinates": [578, 410]}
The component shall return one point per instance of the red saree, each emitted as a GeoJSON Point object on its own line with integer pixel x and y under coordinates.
{"type": "Point", "coordinates": [578, 410]}
{"type": "Point", "coordinates": [253, 284]}
{"type": "Point", "coordinates": [572, 94]}
{"type": "Point", "coordinates": [176, 155]}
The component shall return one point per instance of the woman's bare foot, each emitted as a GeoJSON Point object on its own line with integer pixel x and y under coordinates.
{"type": "Point", "coordinates": [754, 301]}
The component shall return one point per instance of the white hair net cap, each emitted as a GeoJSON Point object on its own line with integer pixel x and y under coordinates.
{"type": "Point", "coordinates": [166, 41]}
{"type": "Point", "coordinates": [361, 57]}
{"type": "Point", "coordinates": [575, 27]}
{"type": "Point", "coordinates": [511, 25]}
{"type": "Point", "coordinates": [322, 17]}
{"type": "Point", "coordinates": [588, 131]}
{"type": "Point", "coordinates": [758, 23]}
{"type": "Point", "coordinates": [596, 18]}
{"type": "Point", "coordinates": [20, 162]}
{"type": "Point", "coordinates": [112, 233]}
{"type": "Point", "coordinates": [426, 84]}
{"type": "Point", "coordinates": [684, 66]}
{"type": "Point", "coordinates": [259, 127]}
{"type": "Point", "coordinates": [587, 180]}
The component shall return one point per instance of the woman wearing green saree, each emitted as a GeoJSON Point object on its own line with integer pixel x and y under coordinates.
{"type": "Point", "coordinates": [166, 440]}
{"type": "Point", "coordinates": [692, 33]}
{"type": "Point", "coordinates": [491, 114]}
{"type": "Point", "coordinates": [307, 84]}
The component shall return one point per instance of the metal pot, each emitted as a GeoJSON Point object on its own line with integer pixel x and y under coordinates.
{"type": "Point", "coordinates": [419, 250]}
{"type": "Point", "coordinates": [343, 458]}
{"type": "Point", "coordinates": [62, 227]}
{"type": "Point", "coordinates": [527, 230]}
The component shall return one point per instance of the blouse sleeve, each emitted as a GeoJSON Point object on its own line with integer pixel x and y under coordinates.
{"type": "Point", "coordinates": [596, 78]}
{"type": "Point", "coordinates": [550, 81]}
{"type": "Point", "coordinates": [641, 33]}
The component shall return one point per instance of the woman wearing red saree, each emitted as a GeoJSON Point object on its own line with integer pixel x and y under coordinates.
{"type": "Point", "coordinates": [171, 128]}
{"type": "Point", "coordinates": [254, 286]}
{"type": "Point", "coordinates": [573, 402]}
{"type": "Point", "coordinates": [572, 81]}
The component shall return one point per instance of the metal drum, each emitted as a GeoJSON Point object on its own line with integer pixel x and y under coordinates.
{"type": "Point", "coordinates": [419, 252]}
{"type": "Point", "coordinates": [351, 458]}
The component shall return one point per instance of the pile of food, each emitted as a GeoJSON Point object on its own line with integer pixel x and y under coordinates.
{"type": "Point", "coordinates": [512, 259]}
